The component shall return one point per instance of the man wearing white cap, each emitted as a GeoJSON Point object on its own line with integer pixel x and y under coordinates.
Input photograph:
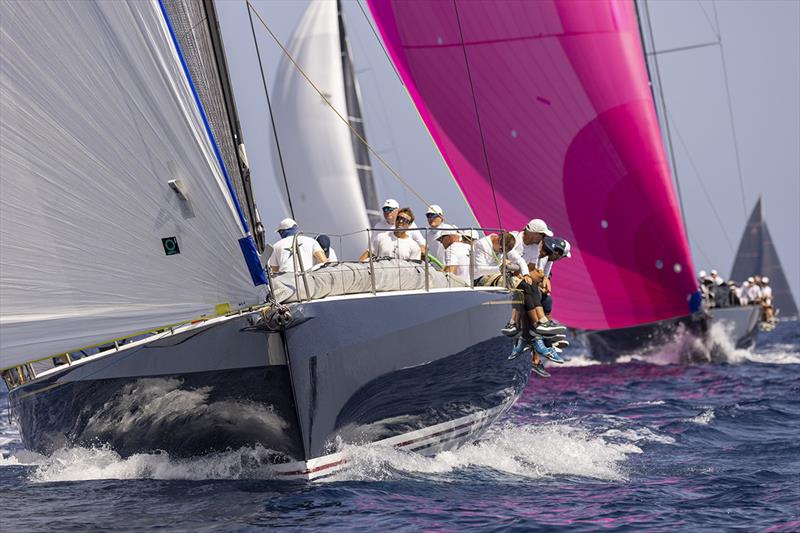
{"type": "Point", "coordinates": [766, 298]}
{"type": "Point", "coordinates": [390, 209]}
{"type": "Point", "coordinates": [294, 252]}
{"type": "Point", "coordinates": [754, 291]}
{"type": "Point", "coordinates": [456, 253]}
{"type": "Point", "coordinates": [435, 217]}
{"type": "Point", "coordinates": [529, 245]}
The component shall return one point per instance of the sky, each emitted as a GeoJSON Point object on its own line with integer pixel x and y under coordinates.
{"type": "Point", "coordinates": [761, 51]}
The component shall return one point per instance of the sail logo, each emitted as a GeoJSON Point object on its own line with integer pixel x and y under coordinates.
{"type": "Point", "coordinates": [170, 245]}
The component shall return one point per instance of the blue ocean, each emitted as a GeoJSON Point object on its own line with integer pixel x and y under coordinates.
{"type": "Point", "coordinates": [647, 445]}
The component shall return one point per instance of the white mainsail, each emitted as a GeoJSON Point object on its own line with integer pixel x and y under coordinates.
{"type": "Point", "coordinates": [316, 144]}
{"type": "Point", "coordinates": [97, 117]}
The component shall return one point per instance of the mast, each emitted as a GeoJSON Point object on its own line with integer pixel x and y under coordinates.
{"type": "Point", "coordinates": [353, 100]}
{"type": "Point", "coordinates": [233, 121]}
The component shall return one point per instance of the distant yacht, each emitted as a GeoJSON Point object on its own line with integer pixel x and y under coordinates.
{"type": "Point", "coordinates": [757, 256]}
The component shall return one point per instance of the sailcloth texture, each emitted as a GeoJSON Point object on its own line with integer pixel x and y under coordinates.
{"type": "Point", "coordinates": [316, 144]}
{"type": "Point", "coordinates": [543, 110]}
{"type": "Point", "coordinates": [98, 117]}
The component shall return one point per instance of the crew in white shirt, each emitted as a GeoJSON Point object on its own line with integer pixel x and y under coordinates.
{"type": "Point", "coordinates": [766, 298]}
{"type": "Point", "coordinates": [436, 222]}
{"type": "Point", "coordinates": [398, 244]}
{"type": "Point", "coordinates": [456, 254]}
{"type": "Point", "coordinates": [294, 252]}
{"type": "Point", "coordinates": [488, 253]}
{"type": "Point", "coordinates": [390, 209]}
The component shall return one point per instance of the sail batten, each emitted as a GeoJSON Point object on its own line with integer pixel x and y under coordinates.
{"type": "Point", "coordinates": [567, 132]}
{"type": "Point", "coordinates": [95, 242]}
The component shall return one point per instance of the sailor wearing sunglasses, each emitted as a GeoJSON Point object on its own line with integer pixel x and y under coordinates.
{"type": "Point", "coordinates": [399, 244]}
{"type": "Point", "coordinates": [390, 211]}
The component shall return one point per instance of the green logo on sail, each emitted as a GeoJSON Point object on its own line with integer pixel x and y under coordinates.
{"type": "Point", "coordinates": [170, 245]}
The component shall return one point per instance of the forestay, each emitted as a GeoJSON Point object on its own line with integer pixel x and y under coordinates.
{"type": "Point", "coordinates": [316, 145]}
{"type": "Point", "coordinates": [97, 117]}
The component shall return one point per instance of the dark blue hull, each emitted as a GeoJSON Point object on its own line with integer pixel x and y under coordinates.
{"type": "Point", "coordinates": [302, 394]}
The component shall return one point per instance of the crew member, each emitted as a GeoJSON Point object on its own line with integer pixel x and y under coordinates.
{"type": "Point", "coordinates": [399, 244]}
{"type": "Point", "coordinates": [294, 252]}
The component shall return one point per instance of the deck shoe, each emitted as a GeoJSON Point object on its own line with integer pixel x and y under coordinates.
{"type": "Point", "coordinates": [560, 343]}
{"type": "Point", "coordinates": [549, 327]}
{"type": "Point", "coordinates": [519, 348]}
{"type": "Point", "coordinates": [553, 356]}
{"type": "Point", "coordinates": [539, 370]}
{"type": "Point", "coordinates": [510, 330]}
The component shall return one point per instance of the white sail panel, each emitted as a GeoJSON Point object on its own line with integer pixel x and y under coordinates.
{"type": "Point", "coordinates": [97, 118]}
{"type": "Point", "coordinates": [317, 151]}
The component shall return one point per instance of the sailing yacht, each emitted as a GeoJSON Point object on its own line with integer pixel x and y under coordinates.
{"type": "Point", "coordinates": [544, 109]}
{"type": "Point", "coordinates": [757, 255]}
{"type": "Point", "coordinates": [135, 310]}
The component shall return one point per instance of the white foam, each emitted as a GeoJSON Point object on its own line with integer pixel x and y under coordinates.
{"type": "Point", "coordinates": [580, 360]}
{"type": "Point", "coordinates": [81, 464]}
{"type": "Point", "coordinates": [648, 402]}
{"type": "Point", "coordinates": [725, 350]}
{"type": "Point", "coordinates": [704, 418]}
{"type": "Point", "coordinates": [640, 435]}
{"type": "Point", "coordinates": [532, 451]}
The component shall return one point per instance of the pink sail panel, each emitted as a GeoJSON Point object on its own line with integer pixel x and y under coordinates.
{"type": "Point", "coordinates": [543, 109]}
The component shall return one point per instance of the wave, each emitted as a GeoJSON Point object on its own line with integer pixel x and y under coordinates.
{"type": "Point", "coordinates": [530, 451]}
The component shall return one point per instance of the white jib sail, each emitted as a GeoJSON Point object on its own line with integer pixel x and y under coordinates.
{"type": "Point", "coordinates": [316, 147]}
{"type": "Point", "coordinates": [97, 118]}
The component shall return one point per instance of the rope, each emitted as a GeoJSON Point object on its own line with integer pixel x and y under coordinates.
{"type": "Point", "coordinates": [271, 116]}
{"type": "Point", "coordinates": [375, 33]}
{"type": "Point", "coordinates": [477, 114]}
{"type": "Point", "coordinates": [730, 113]}
{"type": "Point", "coordinates": [328, 103]}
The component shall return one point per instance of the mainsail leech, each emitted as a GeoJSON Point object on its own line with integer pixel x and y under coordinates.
{"type": "Point", "coordinates": [571, 135]}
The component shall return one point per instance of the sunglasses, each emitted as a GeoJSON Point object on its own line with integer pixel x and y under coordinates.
{"type": "Point", "coordinates": [388, 209]}
{"type": "Point", "coordinates": [431, 215]}
{"type": "Point", "coordinates": [403, 220]}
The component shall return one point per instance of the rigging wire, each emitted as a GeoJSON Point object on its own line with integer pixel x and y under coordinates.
{"type": "Point", "coordinates": [714, 29]}
{"type": "Point", "coordinates": [664, 113]}
{"type": "Point", "coordinates": [329, 104]}
{"type": "Point", "coordinates": [269, 106]}
{"type": "Point", "coordinates": [700, 179]}
{"type": "Point", "coordinates": [730, 112]}
{"type": "Point", "coordinates": [375, 33]}
{"type": "Point", "coordinates": [477, 115]}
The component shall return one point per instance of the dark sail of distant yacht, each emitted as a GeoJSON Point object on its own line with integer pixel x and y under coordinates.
{"type": "Point", "coordinates": [757, 255]}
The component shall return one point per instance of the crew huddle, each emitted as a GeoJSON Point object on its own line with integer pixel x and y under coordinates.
{"type": "Point", "coordinates": [755, 290]}
{"type": "Point", "coordinates": [520, 260]}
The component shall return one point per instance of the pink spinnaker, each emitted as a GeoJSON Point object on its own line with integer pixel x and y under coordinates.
{"type": "Point", "coordinates": [542, 109]}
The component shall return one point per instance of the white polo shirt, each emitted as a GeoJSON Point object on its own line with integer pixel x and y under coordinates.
{"type": "Point", "coordinates": [488, 262]}
{"type": "Point", "coordinates": [528, 252]}
{"type": "Point", "coordinates": [458, 255]}
{"type": "Point", "coordinates": [283, 255]}
{"type": "Point", "coordinates": [418, 236]}
{"type": "Point", "coordinates": [389, 245]}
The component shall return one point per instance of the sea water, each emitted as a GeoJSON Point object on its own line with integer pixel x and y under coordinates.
{"type": "Point", "coordinates": [655, 445]}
